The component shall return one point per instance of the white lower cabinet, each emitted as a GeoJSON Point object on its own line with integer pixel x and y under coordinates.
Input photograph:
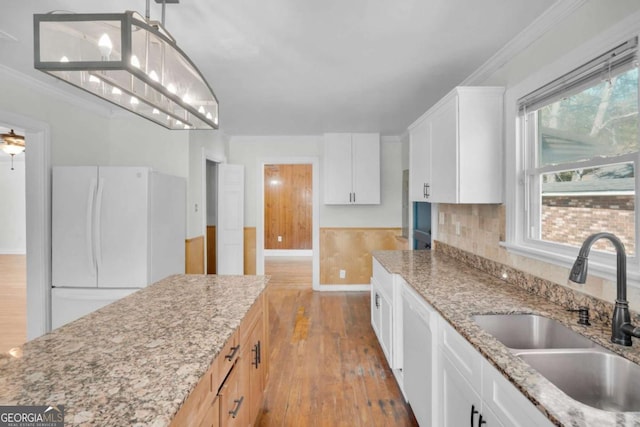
{"type": "Point", "coordinates": [381, 318]}
{"type": "Point", "coordinates": [419, 356]}
{"type": "Point", "coordinates": [475, 393]}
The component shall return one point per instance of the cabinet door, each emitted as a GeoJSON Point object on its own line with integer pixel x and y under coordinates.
{"type": "Point", "coordinates": [507, 403]}
{"type": "Point", "coordinates": [337, 169]}
{"type": "Point", "coordinates": [444, 153]}
{"type": "Point", "coordinates": [233, 400]}
{"type": "Point", "coordinates": [253, 371]}
{"type": "Point", "coordinates": [375, 307]}
{"type": "Point", "coordinates": [386, 327]}
{"type": "Point", "coordinates": [366, 168]}
{"type": "Point", "coordinates": [461, 405]}
{"type": "Point", "coordinates": [420, 161]}
{"type": "Point", "coordinates": [418, 360]}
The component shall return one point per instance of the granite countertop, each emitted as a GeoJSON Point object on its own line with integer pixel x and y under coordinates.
{"type": "Point", "coordinates": [458, 291]}
{"type": "Point", "coordinates": [133, 362]}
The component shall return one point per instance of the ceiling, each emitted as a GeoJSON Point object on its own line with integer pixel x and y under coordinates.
{"type": "Point", "coordinates": [287, 67]}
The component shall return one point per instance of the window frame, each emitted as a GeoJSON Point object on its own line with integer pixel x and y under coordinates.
{"type": "Point", "coordinates": [518, 158]}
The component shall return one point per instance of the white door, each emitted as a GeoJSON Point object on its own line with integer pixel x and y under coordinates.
{"type": "Point", "coordinates": [461, 405]}
{"type": "Point", "coordinates": [230, 228]}
{"type": "Point", "coordinates": [72, 209]}
{"type": "Point", "coordinates": [122, 227]}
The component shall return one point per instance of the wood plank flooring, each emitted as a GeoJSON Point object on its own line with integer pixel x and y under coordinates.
{"type": "Point", "coordinates": [326, 366]}
{"type": "Point", "coordinates": [291, 271]}
{"type": "Point", "coordinates": [13, 301]}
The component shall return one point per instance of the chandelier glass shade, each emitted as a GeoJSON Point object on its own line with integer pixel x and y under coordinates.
{"type": "Point", "coordinates": [129, 61]}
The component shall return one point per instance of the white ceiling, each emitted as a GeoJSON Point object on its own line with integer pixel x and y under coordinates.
{"type": "Point", "coordinates": [283, 67]}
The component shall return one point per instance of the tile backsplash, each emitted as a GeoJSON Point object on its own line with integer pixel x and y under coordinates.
{"type": "Point", "coordinates": [482, 228]}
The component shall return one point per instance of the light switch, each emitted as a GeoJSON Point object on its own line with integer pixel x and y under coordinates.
{"type": "Point", "coordinates": [279, 238]}
{"type": "Point", "coordinates": [343, 274]}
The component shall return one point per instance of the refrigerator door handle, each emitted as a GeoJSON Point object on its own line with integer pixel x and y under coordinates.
{"type": "Point", "coordinates": [98, 224]}
{"type": "Point", "coordinates": [91, 198]}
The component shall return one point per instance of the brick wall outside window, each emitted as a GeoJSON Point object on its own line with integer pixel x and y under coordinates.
{"type": "Point", "coordinates": [570, 219]}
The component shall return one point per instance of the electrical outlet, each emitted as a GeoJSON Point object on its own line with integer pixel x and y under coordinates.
{"type": "Point", "coordinates": [441, 218]}
{"type": "Point", "coordinates": [343, 274]}
{"type": "Point", "coordinates": [279, 238]}
{"type": "Point", "coordinates": [457, 228]}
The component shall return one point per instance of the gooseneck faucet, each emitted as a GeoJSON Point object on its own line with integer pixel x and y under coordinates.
{"type": "Point", "coordinates": [621, 329]}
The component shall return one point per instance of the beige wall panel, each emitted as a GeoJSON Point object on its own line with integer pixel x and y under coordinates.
{"type": "Point", "coordinates": [194, 255]}
{"type": "Point", "coordinates": [350, 249]}
{"type": "Point", "coordinates": [211, 249]}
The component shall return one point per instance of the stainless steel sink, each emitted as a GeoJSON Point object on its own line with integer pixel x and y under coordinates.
{"type": "Point", "coordinates": [595, 378]}
{"type": "Point", "coordinates": [531, 331]}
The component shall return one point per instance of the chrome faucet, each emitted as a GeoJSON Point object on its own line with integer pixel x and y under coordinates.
{"type": "Point", "coordinates": [621, 329]}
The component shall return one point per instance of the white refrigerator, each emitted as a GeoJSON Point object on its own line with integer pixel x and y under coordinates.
{"type": "Point", "coordinates": [114, 230]}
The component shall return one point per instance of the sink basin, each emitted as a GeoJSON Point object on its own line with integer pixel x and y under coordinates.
{"type": "Point", "coordinates": [601, 380]}
{"type": "Point", "coordinates": [531, 331]}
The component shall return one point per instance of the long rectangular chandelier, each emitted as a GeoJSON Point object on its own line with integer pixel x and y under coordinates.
{"type": "Point", "coordinates": [127, 60]}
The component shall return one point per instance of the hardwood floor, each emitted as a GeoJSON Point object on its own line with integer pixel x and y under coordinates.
{"type": "Point", "coordinates": [13, 301]}
{"type": "Point", "coordinates": [326, 366]}
{"type": "Point", "coordinates": [290, 271]}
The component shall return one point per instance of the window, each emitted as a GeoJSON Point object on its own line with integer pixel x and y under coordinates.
{"type": "Point", "coordinates": [580, 135]}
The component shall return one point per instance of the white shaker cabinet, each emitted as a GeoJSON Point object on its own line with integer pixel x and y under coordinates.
{"type": "Point", "coordinates": [420, 326]}
{"type": "Point", "coordinates": [456, 148]}
{"type": "Point", "coordinates": [419, 161]}
{"type": "Point", "coordinates": [352, 168]}
{"type": "Point", "coordinates": [475, 393]}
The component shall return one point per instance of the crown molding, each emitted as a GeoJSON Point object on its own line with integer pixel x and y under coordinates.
{"type": "Point", "coordinates": [101, 108]}
{"type": "Point", "coordinates": [548, 20]}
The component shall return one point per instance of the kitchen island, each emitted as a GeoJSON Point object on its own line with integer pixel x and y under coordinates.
{"type": "Point", "coordinates": [458, 291]}
{"type": "Point", "coordinates": [136, 361]}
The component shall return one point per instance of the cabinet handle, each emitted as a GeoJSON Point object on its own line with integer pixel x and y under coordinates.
{"type": "Point", "coordinates": [231, 355]}
{"type": "Point", "coordinates": [481, 421]}
{"type": "Point", "coordinates": [259, 352]}
{"type": "Point", "coordinates": [350, 197]}
{"type": "Point", "coordinates": [428, 193]}
{"type": "Point", "coordinates": [238, 403]}
{"type": "Point", "coordinates": [256, 355]}
{"type": "Point", "coordinates": [354, 197]}
{"type": "Point", "coordinates": [424, 190]}
{"type": "Point", "coordinates": [473, 414]}
{"type": "Point", "coordinates": [377, 300]}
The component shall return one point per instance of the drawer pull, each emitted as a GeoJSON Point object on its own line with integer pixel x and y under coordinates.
{"type": "Point", "coordinates": [231, 355]}
{"type": "Point", "coordinates": [256, 354]}
{"type": "Point", "coordinates": [238, 403]}
{"type": "Point", "coordinates": [473, 414]}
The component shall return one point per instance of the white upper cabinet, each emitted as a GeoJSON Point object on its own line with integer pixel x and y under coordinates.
{"type": "Point", "coordinates": [463, 134]}
{"type": "Point", "coordinates": [419, 166]}
{"type": "Point", "coordinates": [352, 169]}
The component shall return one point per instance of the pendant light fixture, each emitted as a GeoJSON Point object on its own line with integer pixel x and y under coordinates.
{"type": "Point", "coordinates": [12, 144]}
{"type": "Point", "coordinates": [128, 60]}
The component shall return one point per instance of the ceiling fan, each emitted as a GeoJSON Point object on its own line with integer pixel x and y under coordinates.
{"type": "Point", "coordinates": [12, 144]}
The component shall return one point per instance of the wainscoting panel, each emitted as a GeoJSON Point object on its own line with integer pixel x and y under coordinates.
{"type": "Point", "coordinates": [194, 255]}
{"type": "Point", "coordinates": [249, 250]}
{"type": "Point", "coordinates": [287, 206]}
{"type": "Point", "coordinates": [211, 249]}
{"type": "Point", "coordinates": [349, 249]}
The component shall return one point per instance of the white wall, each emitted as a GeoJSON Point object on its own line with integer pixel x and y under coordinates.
{"type": "Point", "coordinates": [588, 21]}
{"type": "Point", "coordinates": [250, 150]}
{"type": "Point", "coordinates": [85, 134]}
{"type": "Point", "coordinates": [13, 233]}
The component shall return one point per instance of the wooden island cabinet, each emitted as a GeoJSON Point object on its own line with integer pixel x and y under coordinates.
{"type": "Point", "coordinates": [231, 392]}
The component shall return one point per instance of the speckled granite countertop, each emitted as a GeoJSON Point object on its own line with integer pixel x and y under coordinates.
{"type": "Point", "coordinates": [458, 291]}
{"type": "Point", "coordinates": [134, 362]}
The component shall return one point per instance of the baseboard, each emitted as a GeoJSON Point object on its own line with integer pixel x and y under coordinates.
{"type": "Point", "coordinates": [343, 288]}
{"type": "Point", "coordinates": [288, 252]}
{"type": "Point", "coordinates": [13, 252]}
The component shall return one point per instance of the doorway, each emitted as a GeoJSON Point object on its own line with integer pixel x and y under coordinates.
{"type": "Point", "coordinates": [211, 214]}
{"type": "Point", "coordinates": [287, 232]}
{"type": "Point", "coordinates": [288, 223]}
{"type": "Point", "coordinates": [13, 259]}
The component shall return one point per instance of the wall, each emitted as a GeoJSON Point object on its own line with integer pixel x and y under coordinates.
{"type": "Point", "coordinates": [249, 150]}
{"type": "Point", "coordinates": [483, 226]}
{"type": "Point", "coordinates": [288, 206]}
{"type": "Point", "coordinates": [13, 231]}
